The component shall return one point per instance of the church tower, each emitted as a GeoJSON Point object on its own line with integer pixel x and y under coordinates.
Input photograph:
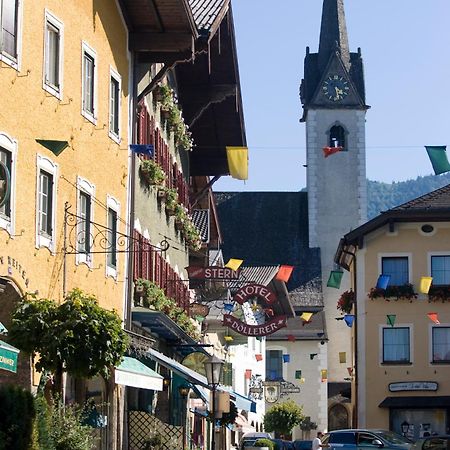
{"type": "Point", "coordinates": [334, 109]}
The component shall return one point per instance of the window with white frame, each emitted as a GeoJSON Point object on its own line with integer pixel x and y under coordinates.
{"type": "Point", "coordinates": [398, 269]}
{"type": "Point", "coordinates": [53, 57]}
{"type": "Point", "coordinates": [8, 151]}
{"type": "Point", "coordinates": [9, 18]}
{"type": "Point", "coordinates": [441, 344]}
{"type": "Point", "coordinates": [440, 269]}
{"type": "Point", "coordinates": [396, 345]}
{"type": "Point", "coordinates": [46, 203]}
{"type": "Point", "coordinates": [274, 364]}
{"type": "Point", "coordinates": [112, 218]}
{"type": "Point", "coordinates": [114, 104]}
{"type": "Point", "coordinates": [89, 82]}
{"type": "Point", "coordinates": [6, 159]}
{"type": "Point", "coordinates": [85, 214]}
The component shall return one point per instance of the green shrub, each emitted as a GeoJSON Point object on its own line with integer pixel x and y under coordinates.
{"type": "Point", "coordinates": [264, 442]}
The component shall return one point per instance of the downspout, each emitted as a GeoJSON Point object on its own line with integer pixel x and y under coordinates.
{"type": "Point", "coordinates": [355, 369]}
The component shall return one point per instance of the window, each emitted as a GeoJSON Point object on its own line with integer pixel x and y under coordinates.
{"type": "Point", "coordinates": [397, 268]}
{"type": "Point", "coordinates": [8, 151]}
{"type": "Point", "coordinates": [9, 22]}
{"type": "Point", "coordinates": [112, 220]}
{"type": "Point", "coordinates": [89, 82]}
{"type": "Point", "coordinates": [45, 203]}
{"type": "Point", "coordinates": [53, 55]}
{"type": "Point", "coordinates": [441, 344]}
{"type": "Point", "coordinates": [114, 105]}
{"type": "Point", "coordinates": [337, 136]}
{"type": "Point", "coordinates": [86, 192]}
{"type": "Point", "coordinates": [6, 159]}
{"type": "Point", "coordinates": [366, 440]}
{"type": "Point", "coordinates": [274, 368]}
{"type": "Point", "coordinates": [396, 347]}
{"type": "Point", "coordinates": [440, 269]}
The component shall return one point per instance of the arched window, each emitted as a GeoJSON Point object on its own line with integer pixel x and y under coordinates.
{"type": "Point", "coordinates": [337, 137]}
{"type": "Point", "coordinates": [338, 417]}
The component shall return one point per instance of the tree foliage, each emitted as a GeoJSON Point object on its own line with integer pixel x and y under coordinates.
{"type": "Point", "coordinates": [283, 417]}
{"type": "Point", "coordinates": [78, 336]}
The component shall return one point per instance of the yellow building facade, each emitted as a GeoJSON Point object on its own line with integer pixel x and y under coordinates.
{"type": "Point", "coordinates": [402, 333]}
{"type": "Point", "coordinates": [64, 138]}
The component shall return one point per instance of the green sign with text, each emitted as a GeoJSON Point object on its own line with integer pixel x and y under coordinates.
{"type": "Point", "coordinates": [8, 357]}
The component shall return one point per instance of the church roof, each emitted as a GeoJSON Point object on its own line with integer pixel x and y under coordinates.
{"type": "Point", "coordinates": [271, 229]}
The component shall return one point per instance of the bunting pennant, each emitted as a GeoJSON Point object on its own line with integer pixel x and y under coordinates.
{"type": "Point", "coordinates": [228, 338]}
{"type": "Point", "coordinates": [438, 158]}
{"type": "Point", "coordinates": [258, 357]}
{"type": "Point", "coordinates": [383, 281]}
{"type": "Point", "coordinates": [434, 317]}
{"type": "Point", "coordinates": [349, 319]}
{"type": "Point", "coordinates": [291, 338]}
{"type": "Point", "coordinates": [306, 316]}
{"type": "Point", "coordinates": [425, 284]}
{"type": "Point", "coordinates": [312, 355]}
{"type": "Point", "coordinates": [342, 357]}
{"type": "Point", "coordinates": [286, 358]}
{"type": "Point", "coordinates": [350, 370]}
{"type": "Point", "coordinates": [302, 380]}
{"type": "Point", "coordinates": [324, 374]}
{"type": "Point", "coordinates": [298, 374]}
{"type": "Point", "coordinates": [248, 374]}
{"type": "Point", "coordinates": [390, 319]}
{"type": "Point", "coordinates": [238, 162]}
{"type": "Point", "coordinates": [143, 149]}
{"type": "Point", "coordinates": [234, 264]}
{"type": "Point", "coordinates": [228, 307]}
{"type": "Point", "coordinates": [338, 318]}
{"type": "Point", "coordinates": [284, 273]}
{"type": "Point", "coordinates": [328, 151]}
{"type": "Point", "coordinates": [335, 278]}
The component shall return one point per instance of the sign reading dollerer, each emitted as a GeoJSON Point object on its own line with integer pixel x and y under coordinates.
{"type": "Point", "coordinates": [8, 357]}
{"type": "Point", "coordinates": [254, 330]}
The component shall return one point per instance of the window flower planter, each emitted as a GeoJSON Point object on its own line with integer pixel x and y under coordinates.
{"type": "Point", "coordinates": [151, 173]}
{"type": "Point", "coordinates": [439, 294]}
{"type": "Point", "coordinates": [405, 291]}
{"type": "Point", "coordinates": [346, 301]}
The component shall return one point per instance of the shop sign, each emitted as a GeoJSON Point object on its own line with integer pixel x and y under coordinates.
{"type": "Point", "coordinates": [198, 309]}
{"type": "Point", "coordinates": [254, 330]}
{"type": "Point", "coordinates": [250, 291]}
{"type": "Point", "coordinates": [14, 264]}
{"type": "Point", "coordinates": [212, 273]}
{"type": "Point", "coordinates": [8, 357]}
{"type": "Point", "coordinates": [413, 386]}
{"type": "Point", "coordinates": [272, 393]}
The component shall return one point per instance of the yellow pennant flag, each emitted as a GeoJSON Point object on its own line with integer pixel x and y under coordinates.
{"type": "Point", "coordinates": [342, 357]}
{"type": "Point", "coordinates": [238, 162]}
{"type": "Point", "coordinates": [425, 284]}
{"type": "Point", "coordinates": [306, 316]}
{"type": "Point", "coordinates": [234, 264]}
{"type": "Point", "coordinates": [324, 374]}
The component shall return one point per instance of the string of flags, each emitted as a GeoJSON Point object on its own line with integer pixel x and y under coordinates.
{"type": "Point", "coordinates": [234, 264]}
{"type": "Point", "coordinates": [335, 278]}
{"type": "Point", "coordinates": [438, 158]}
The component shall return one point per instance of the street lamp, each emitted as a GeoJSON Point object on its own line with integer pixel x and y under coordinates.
{"type": "Point", "coordinates": [184, 392]}
{"type": "Point", "coordinates": [213, 369]}
{"type": "Point", "coordinates": [405, 427]}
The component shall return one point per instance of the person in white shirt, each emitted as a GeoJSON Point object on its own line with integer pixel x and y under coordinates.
{"type": "Point", "coordinates": [317, 443]}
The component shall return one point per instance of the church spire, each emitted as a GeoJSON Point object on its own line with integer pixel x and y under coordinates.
{"type": "Point", "coordinates": [333, 33]}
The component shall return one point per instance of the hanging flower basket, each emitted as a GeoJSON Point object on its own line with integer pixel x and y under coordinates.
{"type": "Point", "coordinates": [405, 291]}
{"type": "Point", "coordinates": [439, 294]}
{"type": "Point", "coordinates": [346, 301]}
{"type": "Point", "coordinates": [151, 173]}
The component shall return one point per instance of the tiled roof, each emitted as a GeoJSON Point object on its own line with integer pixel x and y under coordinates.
{"type": "Point", "coordinates": [200, 218]}
{"type": "Point", "coordinates": [256, 274]}
{"type": "Point", "coordinates": [205, 12]}
{"type": "Point", "coordinates": [270, 229]}
{"type": "Point", "coordinates": [438, 199]}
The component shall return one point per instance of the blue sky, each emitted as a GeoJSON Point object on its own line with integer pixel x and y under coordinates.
{"type": "Point", "coordinates": [405, 47]}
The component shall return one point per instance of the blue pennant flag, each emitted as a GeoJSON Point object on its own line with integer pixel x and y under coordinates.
{"type": "Point", "coordinates": [143, 149]}
{"type": "Point", "coordinates": [349, 319]}
{"type": "Point", "coordinates": [383, 281]}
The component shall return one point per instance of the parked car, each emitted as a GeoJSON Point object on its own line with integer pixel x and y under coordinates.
{"type": "Point", "coordinates": [281, 444]}
{"type": "Point", "coordinates": [432, 443]}
{"type": "Point", "coordinates": [302, 445]}
{"type": "Point", "coordinates": [366, 439]}
{"type": "Point", "coordinates": [249, 439]}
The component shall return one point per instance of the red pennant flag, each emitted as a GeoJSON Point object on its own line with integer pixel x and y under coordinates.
{"type": "Point", "coordinates": [291, 338]}
{"type": "Point", "coordinates": [327, 151]}
{"type": "Point", "coordinates": [350, 370]}
{"type": "Point", "coordinates": [434, 317]}
{"type": "Point", "coordinates": [284, 273]}
{"type": "Point", "coordinates": [258, 357]}
{"type": "Point", "coordinates": [248, 374]}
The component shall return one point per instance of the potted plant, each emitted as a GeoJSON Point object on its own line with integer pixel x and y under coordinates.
{"type": "Point", "coordinates": [264, 443]}
{"type": "Point", "coordinates": [346, 301]}
{"type": "Point", "coordinates": [192, 235]}
{"type": "Point", "coordinates": [184, 140]}
{"type": "Point", "coordinates": [163, 94]}
{"type": "Point", "coordinates": [171, 200]}
{"type": "Point", "coordinates": [439, 294]}
{"type": "Point", "coordinates": [180, 216]}
{"type": "Point", "coordinates": [151, 172]}
{"type": "Point", "coordinates": [404, 291]}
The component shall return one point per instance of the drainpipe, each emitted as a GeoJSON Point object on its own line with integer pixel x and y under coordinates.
{"type": "Point", "coordinates": [355, 370]}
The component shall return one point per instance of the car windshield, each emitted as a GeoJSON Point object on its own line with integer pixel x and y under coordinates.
{"type": "Point", "coordinates": [393, 438]}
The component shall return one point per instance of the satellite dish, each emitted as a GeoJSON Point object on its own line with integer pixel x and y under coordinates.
{"type": "Point", "coordinates": [5, 184]}
{"type": "Point", "coordinates": [196, 361]}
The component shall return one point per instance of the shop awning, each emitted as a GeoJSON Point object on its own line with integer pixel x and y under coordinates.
{"type": "Point", "coordinates": [178, 368]}
{"type": "Point", "coordinates": [241, 401]}
{"type": "Point", "coordinates": [8, 357]}
{"type": "Point", "coordinates": [442, 401]}
{"type": "Point", "coordinates": [133, 373]}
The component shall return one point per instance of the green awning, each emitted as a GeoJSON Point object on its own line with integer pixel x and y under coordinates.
{"type": "Point", "coordinates": [55, 147]}
{"type": "Point", "coordinates": [133, 373]}
{"type": "Point", "coordinates": [8, 357]}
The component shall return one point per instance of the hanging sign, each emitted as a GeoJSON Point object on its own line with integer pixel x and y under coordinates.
{"type": "Point", "coordinates": [8, 357]}
{"type": "Point", "coordinates": [271, 393]}
{"type": "Point", "coordinates": [212, 273]}
{"type": "Point", "coordinates": [254, 290]}
{"type": "Point", "coordinates": [254, 330]}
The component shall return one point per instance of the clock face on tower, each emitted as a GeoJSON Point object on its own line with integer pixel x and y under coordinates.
{"type": "Point", "coordinates": [335, 88]}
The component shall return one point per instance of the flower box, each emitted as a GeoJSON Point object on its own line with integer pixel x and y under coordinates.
{"type": "Point", "coordinates": [439, 294]}
{"type": "Point", "coordinates": [405, 291]}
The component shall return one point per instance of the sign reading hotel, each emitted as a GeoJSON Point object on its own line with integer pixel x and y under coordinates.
{"type": "Point", "coordinates": [254, 290]}
{"type": "Point", "coordinates": [254, 330]}
{"type": "Point", "coordinates": [212, 273]}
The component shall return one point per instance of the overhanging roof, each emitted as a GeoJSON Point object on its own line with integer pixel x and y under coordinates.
{"type": "Point", "coordinates": [133, 373]}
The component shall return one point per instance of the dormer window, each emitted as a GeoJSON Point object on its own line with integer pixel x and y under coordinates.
{"type": "Point", "coordinates": [337, 137]}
